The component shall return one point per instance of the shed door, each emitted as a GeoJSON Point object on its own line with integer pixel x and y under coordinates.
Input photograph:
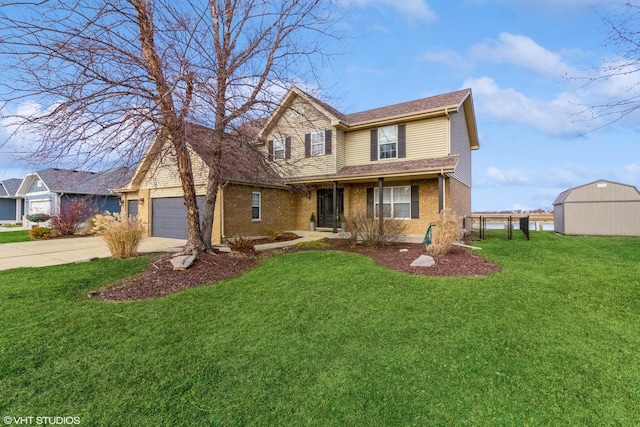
{"type": "Point", "coordinates": [169, 217]}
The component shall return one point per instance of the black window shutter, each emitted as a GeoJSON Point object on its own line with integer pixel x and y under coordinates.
{"type": "Point", "coordinates": [374, 145]}
{"type": "Point", "coordinates": [307, 145]}
{"type": "Point", "coordinates": [287, 147]}
{"type": "Point", "coordinates": [415, 205]}
{"type": "Point", "coordinates": [270, 147]}
{"type": "Point", "coordinates": [327, 141]}
{"type": "Point", "coordinates": [370, 203]}
{"type": "Point", "coordinates": [402, 141]}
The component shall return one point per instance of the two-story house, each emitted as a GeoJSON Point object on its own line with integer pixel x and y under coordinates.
{"type": "Point", "coordinates": [413, 157]}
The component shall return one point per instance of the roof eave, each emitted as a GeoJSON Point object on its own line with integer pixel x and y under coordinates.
{"type": "Point", "coordinates": [406, 117]}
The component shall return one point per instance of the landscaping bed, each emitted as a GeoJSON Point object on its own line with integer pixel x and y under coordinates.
{"type": "Point", "coordinates": [160, 279]}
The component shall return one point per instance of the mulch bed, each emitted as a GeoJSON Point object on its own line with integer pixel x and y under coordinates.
{"type": "Point", "coordinates": [160, 279]}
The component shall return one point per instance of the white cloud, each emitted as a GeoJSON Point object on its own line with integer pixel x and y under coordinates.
{"type": "Point", "coordinates": [416, 9]}
{"type": "Point", "coordinates": [507, 177]}
{"type": "Point", "coordinates": [631, 175]}
{"type": "Point", "coordinates": [568, 176]}
{"type": "Point", "coordinates": [560, 116]}
{"type": "Point", "coordinates": [523, 52]}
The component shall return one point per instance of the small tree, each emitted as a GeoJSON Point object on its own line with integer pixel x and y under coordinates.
{"type": "Point", "coordinates": [72, 213]}
{"type": "Point", "coordinates": [38, 218]}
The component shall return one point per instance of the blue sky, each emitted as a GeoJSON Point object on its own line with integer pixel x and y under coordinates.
{"type": "Point", "coordinates": [523, 60]}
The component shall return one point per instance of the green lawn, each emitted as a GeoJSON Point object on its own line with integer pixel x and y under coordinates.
{"type": "Point", "coordinates": [329, 338]}
{"type": "Point", "coordinates": [14, 236]}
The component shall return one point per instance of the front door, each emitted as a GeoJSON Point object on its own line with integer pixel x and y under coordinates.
{"type": "Point", "coordinates": [325, 207]}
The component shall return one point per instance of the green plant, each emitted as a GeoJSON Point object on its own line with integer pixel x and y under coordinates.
{"type": "Point", "coordinates": [444, 232]}
{"type": "Point", "coordinates": [38, 217]}
{"type": "Point", "coordinates": [312, 218]}
{"type": "Point", "coordinates": [40, 233]}
{"type": "Point", "coordinates": [367, 230]}
{"type": "Point", "coordinates": [242, 244]}
{"type": "Point", "coordinates": [122, 234]}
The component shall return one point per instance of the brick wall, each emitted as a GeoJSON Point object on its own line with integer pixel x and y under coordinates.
{"type": "Point", "coordinates": [279, 211]}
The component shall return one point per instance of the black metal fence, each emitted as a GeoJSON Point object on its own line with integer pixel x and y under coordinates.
{"type": "Point", "coordinates": [476, 226]}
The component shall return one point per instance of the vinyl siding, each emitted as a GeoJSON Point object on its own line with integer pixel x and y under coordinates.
{"type": "Point", "coordinates": [163, 172]}
{"type": "Point", "coordinates": [461, 145]}
{"type": "Point", "coordinates": [302, 118]}
{"type": "Point", "coordinates": [425, 139]}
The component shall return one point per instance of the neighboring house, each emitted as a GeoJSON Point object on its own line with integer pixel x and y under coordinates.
{"type": "Point", "coordinates": [600, 208]}
{"type": "Point", "coordinates": [46, 190]}
{"type": "Point", "coordinates": [414, 157]}
{"type": "Point", "coordinates": [11, 206]}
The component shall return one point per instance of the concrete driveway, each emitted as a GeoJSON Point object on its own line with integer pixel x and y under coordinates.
{"type": "Point", "coordinates": [64, 251]}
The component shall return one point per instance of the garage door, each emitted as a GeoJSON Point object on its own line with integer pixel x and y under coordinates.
{"type": "Point", "coordinates": [7, 209]}
{"type": "Point", "coordinates": [40, 206]}
{"type": "Point", "coordinates": [169, 217]}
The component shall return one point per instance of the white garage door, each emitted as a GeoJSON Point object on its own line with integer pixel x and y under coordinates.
{"type": "Point", "coordinates": [40, 206]}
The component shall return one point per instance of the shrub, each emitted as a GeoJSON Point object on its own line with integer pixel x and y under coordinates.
{"type": "Point", "coordinates": [72, 213]}
{"type": "Point", "coordinates": [40, 233]}
{"type": "Point", "coordinates": [122, 234]}
{"type": "Point", "coordinates": [444, 232]}
{"type": "Point", "coordinates": [271, 234]}
{"type": "Point", "coordinates": [367, 230]}
{"type": "Point", "coordinates": [242, 244]}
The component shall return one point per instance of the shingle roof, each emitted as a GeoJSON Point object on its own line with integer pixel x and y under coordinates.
{"type": "Point", "coordinates": [83, 182]}
{"type": "Point", "coordinates": [241, 162]}
{"type": "Point", "coordinates": [422, 165]}
{"type": "Point", "coordinates": [9, 187]}
{"type": "Point", "coordinates": [404, 108]}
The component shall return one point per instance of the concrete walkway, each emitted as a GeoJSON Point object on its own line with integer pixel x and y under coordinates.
{"type": "Point", "coordinates": [43, 253]}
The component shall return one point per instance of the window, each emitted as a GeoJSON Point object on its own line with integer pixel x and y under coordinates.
{"type": "Point", "coordinates": [388, 142]}
{"type": "Point", "coordinates": [279, 148]}
{"type": "Point", "coordinates": [255, 206]}
{"type": "Point", "coordinates": [317, 142]}
{"type": "Point", "coordinates": [396, 202]}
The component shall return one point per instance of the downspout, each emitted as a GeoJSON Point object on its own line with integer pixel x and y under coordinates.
{"type": "Point", "coordinates": [222, 236]}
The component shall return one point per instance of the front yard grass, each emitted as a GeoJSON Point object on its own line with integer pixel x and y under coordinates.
{"type": "Point", "coordinates": [329, 338]}
{"type": "Point", "coordinates": [14, 236]}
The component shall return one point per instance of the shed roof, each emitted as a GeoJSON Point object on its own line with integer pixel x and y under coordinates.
{"type": "Point", "coordinates": [562, 197]}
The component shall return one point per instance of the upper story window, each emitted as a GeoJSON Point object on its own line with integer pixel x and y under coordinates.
{"type": "Point", "coordinates": [317, 142]}
{"type": "Point", "coordinates": [279, 148]}
{"type": "Point", "coordinates": [388, 142]}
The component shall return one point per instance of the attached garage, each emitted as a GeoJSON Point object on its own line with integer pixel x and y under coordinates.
{"type": "Point", "coordinates": [600, 208]}
{"type": "Point", "coordinates": [169, 217]}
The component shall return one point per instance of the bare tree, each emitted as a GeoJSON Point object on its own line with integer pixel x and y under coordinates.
{"type": "Point", "coordinates": [114, 73]}
{"type": "Point", "coordinates": [622, 20]}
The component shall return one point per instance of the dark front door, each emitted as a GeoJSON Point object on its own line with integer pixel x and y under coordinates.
{"type": "Point", "coordinates": [325, 207]}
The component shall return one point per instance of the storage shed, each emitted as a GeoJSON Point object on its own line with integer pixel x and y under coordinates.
{"type": "Point", "coordinates": [600, 208]}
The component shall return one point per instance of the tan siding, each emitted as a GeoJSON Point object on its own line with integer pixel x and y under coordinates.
{"type": "Point", "coordinates": [460, 145]}
{"type": "Point", "coordinates": [295, 125]}
{"type": "Point", "coordinates": [164, 171]}
{"type": "Point", "coordinates": [610, 192]}
{"type": "Point", "coordinates": [425, 139]}
{"type": "Point", "coordinates": [602, 219]}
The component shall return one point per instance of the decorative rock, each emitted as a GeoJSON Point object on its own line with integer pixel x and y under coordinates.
{"type": "Point", "coordinates": [404, 250]}
{"type": "Point", "coordinates": [423, 261]}
{"type": "Point", "coordinates": [182, 262]}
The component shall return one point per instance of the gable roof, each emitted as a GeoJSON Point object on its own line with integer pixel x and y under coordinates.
{"type": "Point", "coordinates": [451, 101]}
{"type": "Point", "coordinates": [77, 182]}
{"type": "Point", "coordinates": [9, 187]}
{"type": "Point", "coordinates": [241, 163]}
{"type": "Point", "coordinates": [431, 106]}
